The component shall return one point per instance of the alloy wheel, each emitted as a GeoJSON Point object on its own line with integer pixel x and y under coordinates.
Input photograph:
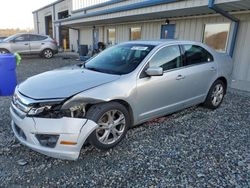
{"type": "Point", "coordinates": [111, 127]}
{"type": "Point", "coordinates": [217, 94]}
{"type": "Point", "coordinates": [48, 54]}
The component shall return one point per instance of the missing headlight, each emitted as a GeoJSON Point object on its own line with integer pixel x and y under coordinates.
{"type": "Point", "coordinates": [36, 111]}
{"type": "Point", "coordinates": [55, 110]}
{"type": "Point", "coordinates": [78, 111]}
{"type": "Point", "coordinates": [48, 111]}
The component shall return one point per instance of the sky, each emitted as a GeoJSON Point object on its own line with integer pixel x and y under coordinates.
{"type": "Point", "coordinates": [18, 13]}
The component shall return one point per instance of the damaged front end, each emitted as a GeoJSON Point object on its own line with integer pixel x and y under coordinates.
{"type": "Point", "coordinates": [54, 127]}
{"type": "Point", "coordinates": [44, 110]}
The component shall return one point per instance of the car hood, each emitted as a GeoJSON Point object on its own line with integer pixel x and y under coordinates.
{"type": "Point", "coordinates": [63, 83]}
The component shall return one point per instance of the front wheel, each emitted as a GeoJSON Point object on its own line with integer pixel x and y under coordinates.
{"type": "Point", "coordinates": [113, 120]}
{"type": "Point", "coordinates": [215, 95]}
{"type": "Point", "coordinates": [47, 53]}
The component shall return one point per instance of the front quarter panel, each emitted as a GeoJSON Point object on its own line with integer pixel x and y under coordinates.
{"type": "Point", "coordinates": [122, 89]}
{"type": "Point", "coordinates": [5, 45]}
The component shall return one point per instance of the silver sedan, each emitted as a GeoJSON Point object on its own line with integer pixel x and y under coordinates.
{"type": "Point", "coordinates": [56, 112]}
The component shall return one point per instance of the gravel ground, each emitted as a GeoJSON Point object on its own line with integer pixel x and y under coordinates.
{"type": "Point", "coordinates": [196, 147]}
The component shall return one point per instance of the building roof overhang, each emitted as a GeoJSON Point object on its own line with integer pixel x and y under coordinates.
{"type": "Point", "coordinates": [127, 14]}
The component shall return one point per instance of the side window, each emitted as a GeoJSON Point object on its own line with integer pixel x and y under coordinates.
{"type": "Point", "coordinates": [37, 38]}
{"type": "Point", "coordinates": [195, 54]}
{"type": "Point", "coordinates": [22, 38]}
{"type": "Point", "coordinates": [168, 58]}
{"type": "Point", "coordinates": [41, 37]}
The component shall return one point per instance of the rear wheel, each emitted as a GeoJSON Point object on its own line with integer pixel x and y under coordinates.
{"type": "Point", "coordinates": [113, 120]}
{"type": "Point", "coordinates": [215, 95]}
{"type": "Point", "coordinates": [47, 53]}
{"type": "Point", "coordinates": [3, 51]}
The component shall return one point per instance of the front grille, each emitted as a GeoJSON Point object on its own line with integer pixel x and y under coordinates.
{"type": "Point", "coordinates": [18, 102]}
{"type": "Point", "coordinates": [20, 132]}
{"type": "Point", "coordinates": [17, 111]}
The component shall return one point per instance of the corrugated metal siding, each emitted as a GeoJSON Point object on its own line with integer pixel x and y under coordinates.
{"type": "Point", "coordinates": [186, 29]}
{"type": "Point", "coordinates": [101, 33]}
{"type": "Point", "coordinates": [79, 4]}
{"type": "Point", "coordinates": [114, 5]}
{"type": "Point", "coordinates": [241, 70]}
{"type": "Point", "coordinates": [86, 36]}
{"type": "Point", "coordinates": [73, 37]}
{"type": "Point", "coordinates": [153, 9]}
{"type": "Point", "coordinates": [41, 19]}
{"type": "Point", "coordinates": [151, 30]}
{"type": "Point", "coordinates": [64, 5]}
{"type": "Point", "coordinates": [35, 22]}
{"type": "Point", "coordinates": [192, 29]}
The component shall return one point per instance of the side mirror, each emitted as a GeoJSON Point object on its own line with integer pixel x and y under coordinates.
{"type": "Point", "coordinates": [154, 71]}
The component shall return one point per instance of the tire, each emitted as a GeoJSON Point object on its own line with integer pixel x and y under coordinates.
{"type": "Point", "coordinates": [215, 95]}
{"type": "Point", "coordinates": [109, 133]}
{"type": "Point", "coordinates": [4, 51]}
{"type": "Point", "coordinates": [47, 53]}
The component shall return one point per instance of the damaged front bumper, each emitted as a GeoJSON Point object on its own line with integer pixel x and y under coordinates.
{"type": "Point", "coordinates": [65, 136]}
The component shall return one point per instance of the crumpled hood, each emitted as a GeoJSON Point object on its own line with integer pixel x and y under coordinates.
{"type": "Point", "coordinates": [63, 83]}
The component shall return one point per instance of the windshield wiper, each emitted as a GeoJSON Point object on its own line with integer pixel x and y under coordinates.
{"type": "Point", "coordinates": [81, 65]}
{"type": "Point", "coordinates": [93, 69]}
{"type": "Point", "coordinates": [102, 70]}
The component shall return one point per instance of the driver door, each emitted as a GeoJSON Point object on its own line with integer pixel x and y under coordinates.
{"type": "Point", "coordinates": [159, 95]}
{"type": "Point", "coordinates": [21, 44]}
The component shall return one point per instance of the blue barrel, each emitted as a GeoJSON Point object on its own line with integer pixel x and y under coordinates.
{"type": "Point", "coordinates": [8, 79]}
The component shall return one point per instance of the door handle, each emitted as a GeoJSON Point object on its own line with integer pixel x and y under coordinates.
{"type": "Point", "coordinates": [180, 77]}
{"type": "Point", "coordinates": [42, 43]}
{"type": "Point", "coordinates": [26, 44]}
{"type": "Point", "coordinates": [213, 69]}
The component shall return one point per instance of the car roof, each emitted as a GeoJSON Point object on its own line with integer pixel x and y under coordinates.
{"type": "Point", "coordinates": [160, 42]}
{"type": "Point", "coordinates": [31, 34]}
{"type": "Point", "coordinates": [149, 42]}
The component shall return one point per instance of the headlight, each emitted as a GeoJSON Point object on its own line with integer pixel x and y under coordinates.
{"type": "Point", "coordinates": [55, 110]}
{"type": "Point", "coordinates": [36, 111]}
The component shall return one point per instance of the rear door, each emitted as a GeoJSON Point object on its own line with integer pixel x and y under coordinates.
{"type": "Point", "coordinates": [36, 43]}
{"type": "Point", "coordinates": [21, 44]}
{"type": "Point", "coordinates": [200, 72]}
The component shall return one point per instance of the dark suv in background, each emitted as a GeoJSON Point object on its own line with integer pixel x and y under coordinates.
{"type": "Point", "coordinates": [29, 44]}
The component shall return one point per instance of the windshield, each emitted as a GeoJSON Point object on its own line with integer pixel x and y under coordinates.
{"type": "Point", "coordinates": [119, 59]}
{"type": "Point", "coordinates": [10, 38]}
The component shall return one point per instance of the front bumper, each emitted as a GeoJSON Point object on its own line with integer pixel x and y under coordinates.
{"type": "Point", "coordinates": [69, 129]}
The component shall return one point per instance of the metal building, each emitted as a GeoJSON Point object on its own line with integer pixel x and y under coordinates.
{"type": "Point", "coordinates": [222, 24]}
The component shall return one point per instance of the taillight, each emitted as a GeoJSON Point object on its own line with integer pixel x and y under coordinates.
{"type": "Point", "coordinates": [54, 42]}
